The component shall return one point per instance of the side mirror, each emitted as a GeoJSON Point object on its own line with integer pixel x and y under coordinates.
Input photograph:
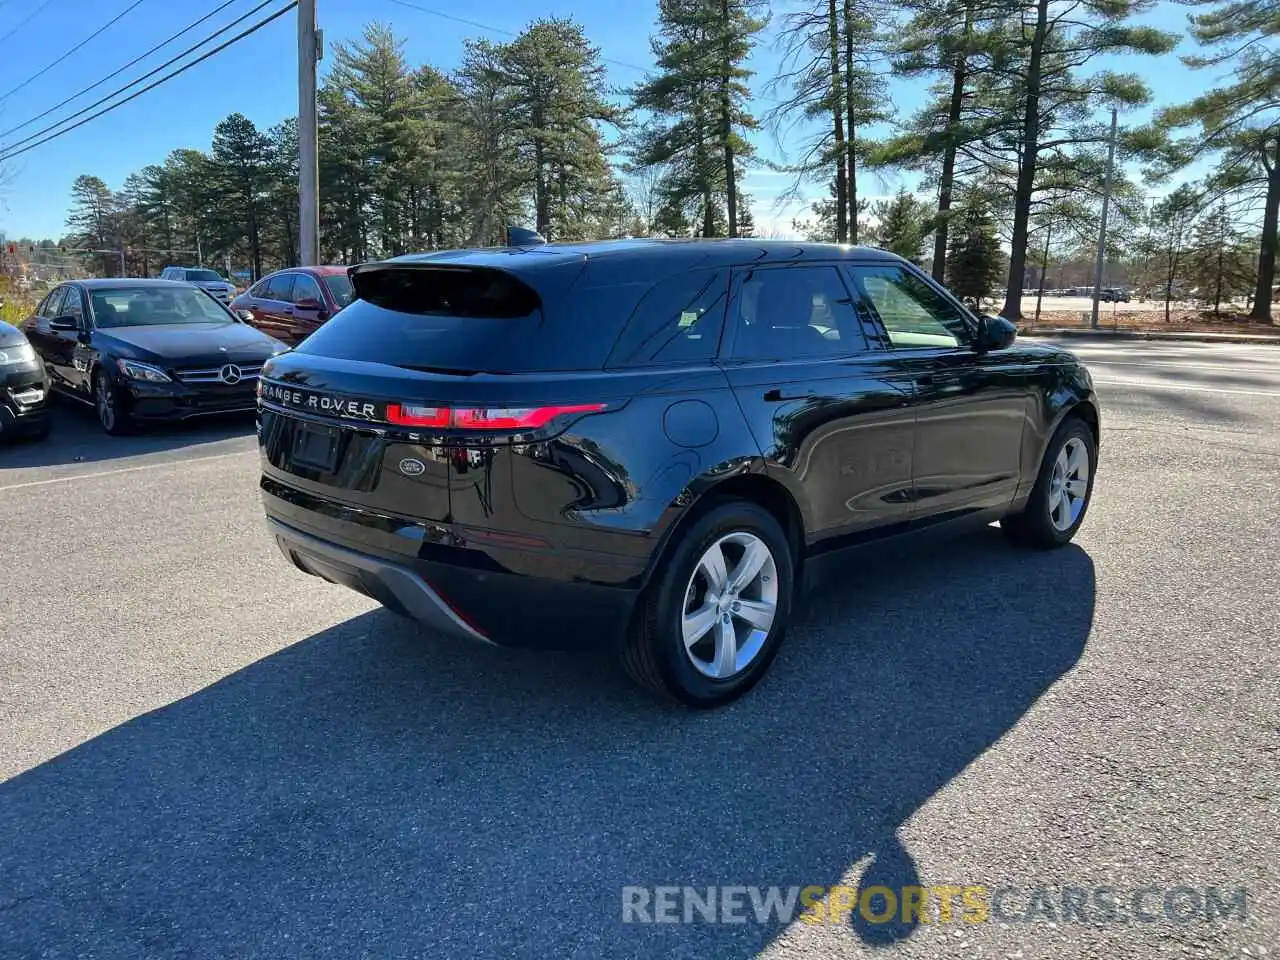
{"type": "Point", "coordinates": [308, 303]}
{"type": "Point", "coordinates": [244, 316]}
{"type": "Point", "coordinates": [66, 324]}
{"type": "Point", "coordinates": [995, 333]}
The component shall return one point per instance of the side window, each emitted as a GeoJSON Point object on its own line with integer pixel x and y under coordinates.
{"type": "Point", "coordinates": [279, 287]}
{"type": "Point", "coordinates": [53, 303]}
{"type": "Point", "coordinates": [794, 313]}
{"type": "Point", "coordinates": [259, 289]}
{"type": "Point", "coordinates": [677, 321]}
{"type": "Point", "coordinates": [306, 288]}
{"type": "Point", "coordinates": [73, 305]}
{"type": "Point", "coordinates": [913, 313]}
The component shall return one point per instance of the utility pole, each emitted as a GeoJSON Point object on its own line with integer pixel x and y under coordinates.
{"type": "Point", "coordinates": [1102, 227]}
{"type": "Point", "coordinates": [308, 163]}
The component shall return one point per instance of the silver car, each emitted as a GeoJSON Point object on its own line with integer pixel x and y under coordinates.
{"type": "Point", "coordinates": [203, 278]}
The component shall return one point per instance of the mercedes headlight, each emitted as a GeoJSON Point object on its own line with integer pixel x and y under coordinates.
{"type": "Point", "coordinates": [142, 371]}
{"type": "Point", "coordinates": [20, 354]}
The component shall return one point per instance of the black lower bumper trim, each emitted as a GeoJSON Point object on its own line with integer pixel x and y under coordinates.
{"type": "Point", "coordinates": [391, 584]}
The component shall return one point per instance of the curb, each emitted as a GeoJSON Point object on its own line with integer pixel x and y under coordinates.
{"type": "Point", "coordinates": [1068, 333]}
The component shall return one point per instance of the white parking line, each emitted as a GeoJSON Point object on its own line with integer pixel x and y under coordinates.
{"type": "Point", "coordinates": [1156, 385]}
{"type": "Point", "coordinates": [1228, 364]}
{"type": "Point", "coordinates": [112, 473]}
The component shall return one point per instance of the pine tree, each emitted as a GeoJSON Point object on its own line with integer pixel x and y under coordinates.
{"type": "Point", "coordinates": [901, 225]}
{"type": "Point", "coordinates": [93, 222]}
{"type": "Point", "coordinates": [1220, 263]}
{"type": "Point", "coordinates": [1240, 120]}
{"type": "Point", "coordinates": [1042, 106]}
{"type": "Point", "coordinates": [240, 166]}
{"type": "Point", "coordinates": [1169, 227]}
{"type": "Point", "coordinates": [949, 41]}
{"type": "Point", "coordinates": [557, 91]}
{"type": "Point", "coordinates": [699, 98]}
{"type": "Point", "coordinates": [974, 260]}
{"type": "Point", "coordinates": [491, 175]}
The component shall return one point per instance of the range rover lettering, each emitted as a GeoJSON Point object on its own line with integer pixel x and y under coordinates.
{"type": "Point", "coordinates": [654, 444]}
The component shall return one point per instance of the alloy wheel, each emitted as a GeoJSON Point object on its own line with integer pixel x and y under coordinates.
{"type": "Point", "coordinates": [105, 404]}
{"type": "Point", "coordinates": [1069, 484]}
{"type": "Point", "coordinates": [729, 605]}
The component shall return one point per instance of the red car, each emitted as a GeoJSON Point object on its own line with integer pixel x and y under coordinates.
{"type": "Point", "coordinates": [291, 304]}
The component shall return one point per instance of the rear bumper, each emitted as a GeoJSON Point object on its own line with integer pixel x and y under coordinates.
{"type": "Point", "coordinates": [441, 575]}
{"type": "Point", "coordinates": [391, 584]}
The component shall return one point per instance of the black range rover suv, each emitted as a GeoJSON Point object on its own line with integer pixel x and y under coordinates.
{"type": "Point", "coordinates": [651, 442]}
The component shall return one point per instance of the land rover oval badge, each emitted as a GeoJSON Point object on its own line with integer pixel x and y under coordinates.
{"type": "Point", "coordinates": [412, 468]}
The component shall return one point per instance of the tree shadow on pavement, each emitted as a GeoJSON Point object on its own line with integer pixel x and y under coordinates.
{"type": "Point", "coordinates": [374, 790]}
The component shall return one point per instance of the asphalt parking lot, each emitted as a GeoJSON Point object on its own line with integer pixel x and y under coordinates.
{"type": "Point", "coordinates": [206, 753]}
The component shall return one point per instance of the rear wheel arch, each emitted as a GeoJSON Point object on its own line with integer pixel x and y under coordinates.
{"type": "Point", "coordinates": [756, 488]}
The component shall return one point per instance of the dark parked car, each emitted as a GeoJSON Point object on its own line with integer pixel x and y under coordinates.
{"type": "Point", "coordinates": [291, 304]}
{"type": "Point", "coordinates": [212, 282]}
{"type": "Point", "coordinates": [147, 350]}
{"type": "Point", "coordinates": [1114, 295]}
{"type": "Point", "coordinates": [24, 387]}
{"type": "Point", "coordinates": [656, 441]}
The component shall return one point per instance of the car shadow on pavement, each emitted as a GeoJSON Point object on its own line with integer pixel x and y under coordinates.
{"type": "Point", "coordinates": [376, 790]}
{"type": "Point", "coordinates": [77, 438]}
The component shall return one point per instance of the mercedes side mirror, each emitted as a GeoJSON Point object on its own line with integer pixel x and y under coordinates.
{"type": "Point", "coordinates": [309, 303]}
{"type": "Point", "coordinates": [65, 324]}
{"type": "Point", "coordinates": [995, 333]}
{"type": "Point", "coordinates": [244, 316]}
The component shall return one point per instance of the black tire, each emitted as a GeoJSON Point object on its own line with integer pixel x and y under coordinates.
{"type": "Point", "coordinates": [653, 651]}
{"type": "Point", "coordinates": [1033, 526]}
{"type": "Point", "coordinates": [106, 405]}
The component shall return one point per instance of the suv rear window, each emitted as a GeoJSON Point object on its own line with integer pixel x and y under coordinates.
{"type": "Point", "coordinates": [202, 276]}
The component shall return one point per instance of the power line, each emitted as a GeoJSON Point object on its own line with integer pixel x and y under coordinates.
{"type": "Point", "coordinates": [133, 83]}
{"type": "Point", "coordinates": [110, 76]}
{"type": "Point", "coordinates": [22, 23]}
{"type": "Point", "coordinates": [40, 73]}
{"type": "Point", "coordinates": [151, 86]}
{"type": "Point", "coordinates": [505, 33]}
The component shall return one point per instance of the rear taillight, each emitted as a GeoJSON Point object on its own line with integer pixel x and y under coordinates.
{"type": "Point", "coordinates": [412, 415]}
{"type": "Point", "coordinates": [484, 418]}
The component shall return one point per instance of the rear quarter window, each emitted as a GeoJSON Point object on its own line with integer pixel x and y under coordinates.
{"type": "Point", "coordinates": [679, 320]}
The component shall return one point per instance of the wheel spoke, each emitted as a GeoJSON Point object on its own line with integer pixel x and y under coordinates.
{"type": "Point", "coordinates": [1062, 513]}
{"type": "Point", "coordinates": [696, 624]}
{"type": "Point", "coordinates": [726, 661]}
{"type": "Point", "coordinates": [713, 568]}
{"type": "Point", "coordinates": [1078, 462]}
{"type": "Point", "coordinates": [1077, 488]}
{"type": "Point", "coordinates": [759, 615]}
{"type": "Point", "coordinates": [753, 558]}
{"type": "Point", "coordinates": [1055, 497]}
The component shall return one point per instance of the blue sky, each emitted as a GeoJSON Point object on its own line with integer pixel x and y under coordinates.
{"type": "Point", "coordinates": [257, 77]}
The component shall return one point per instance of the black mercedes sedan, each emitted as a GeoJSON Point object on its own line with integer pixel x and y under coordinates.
{"type": "Point", "coordinates": [147, 350]}
{"type": "Point", "coordinates": [24, 387]}
{"type": "Point", "coordinates": [654, 443]}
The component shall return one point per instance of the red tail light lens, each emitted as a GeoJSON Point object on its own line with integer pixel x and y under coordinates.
{"type": "Point", "coordinates": [517, 418]}
{"type": "Point", "coordinates": [412, 415]}
{"type": "Point", "coordinates": [484, 418]}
